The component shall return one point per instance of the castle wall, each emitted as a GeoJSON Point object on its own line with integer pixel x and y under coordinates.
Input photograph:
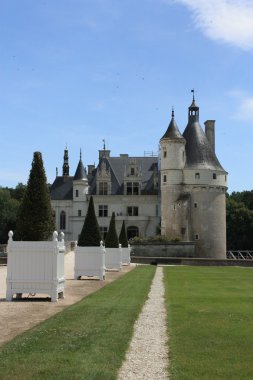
{"type": "Point", "coordinates": [208, 221]}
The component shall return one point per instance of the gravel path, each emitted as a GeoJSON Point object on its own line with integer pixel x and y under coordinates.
{"type": "Point", "coordinates": [147, 357]}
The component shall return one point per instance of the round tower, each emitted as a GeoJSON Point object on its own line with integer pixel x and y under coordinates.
{"type": "Point", "coordinates": [206, 183]}
{"type": "Point", "coordinates": [172, 164]}
{"type": "Point", "coordinates": [80, 202]}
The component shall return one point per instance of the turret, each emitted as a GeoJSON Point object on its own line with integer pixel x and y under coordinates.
{"type": "Point", "coordinates": [172, 147]}
{"type": "Point", "coordinates": [172, 164]}
{"type": "Point", "coordinates": [80, 182]}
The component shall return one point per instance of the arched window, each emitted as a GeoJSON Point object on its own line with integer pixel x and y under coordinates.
{"type": "Point", "coordinates": [132, 231]}
{"type": "Point", "coordinates": [62, 220]}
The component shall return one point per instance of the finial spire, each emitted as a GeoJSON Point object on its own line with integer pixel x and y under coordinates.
{"type": "Point", "coordinates": [56, 172]}
{"type": "Point", "coordinates": [172, 112]}
{"type": "Point", "coordinates": [193, 92]}
{"type": "Point", "coordinates": [65, 167]}
{"type": "Point", "coordinates": [80, 153]}
{"type": "Point", "coordinates": [103, 144]}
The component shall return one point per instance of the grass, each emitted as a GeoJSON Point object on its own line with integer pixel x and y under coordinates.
{"type": "Point", "coordinates": [86, 341]}
{"type": "Point", "coordinates": [210, 322]}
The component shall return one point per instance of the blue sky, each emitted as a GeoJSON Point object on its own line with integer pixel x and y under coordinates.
{"type": "Point", "coordinates": [76, 72]}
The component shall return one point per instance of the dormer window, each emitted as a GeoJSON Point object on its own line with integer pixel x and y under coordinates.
{"type": "Point", "coordinates": [132, 188]}
{"type": "Point", "coordinates": [132, 171]}
{"type": "Point", "coordinates": [103, 188]}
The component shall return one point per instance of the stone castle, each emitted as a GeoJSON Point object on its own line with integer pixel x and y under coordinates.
{"type": "Point", "coordinates": [179, 193]}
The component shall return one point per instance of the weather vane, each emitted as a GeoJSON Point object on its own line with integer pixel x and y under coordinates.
{"type": "Point", "coordinates": [193, 91]}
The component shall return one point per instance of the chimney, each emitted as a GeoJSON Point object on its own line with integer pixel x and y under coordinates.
{"type": "Point", "coordinates": [210, 132]}
{"type": "Point", "coordinates": [104, 153]}
{"type": "Point", "coordinates": [91, 168]}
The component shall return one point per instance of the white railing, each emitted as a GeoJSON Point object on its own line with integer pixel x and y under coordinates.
{"type": "Point", "coordinates": [35, 267]}
{"type": "Point", "coordinates": [240, 255]}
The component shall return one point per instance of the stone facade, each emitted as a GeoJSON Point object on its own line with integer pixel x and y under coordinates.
{"type": "Point", "coordinates": [180, 193]}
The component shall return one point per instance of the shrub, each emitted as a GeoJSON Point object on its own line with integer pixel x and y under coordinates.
{"type": "Point", "coordinates": [90, 234]}
{"type": "Point", "coordinates": [158, 239]}
{"type": "Point", "coordinates": [35, 221]}
{"type": "Point", "coordinates": [111, 240]}
{"type": "Point", "coordinates": [123, 237]}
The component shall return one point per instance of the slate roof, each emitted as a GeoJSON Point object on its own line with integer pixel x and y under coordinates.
{"type": "Point", "coordinates": [199, 152]}
{"type": "Point", "coordinates": [80, 173]}
{"type": "Point", "coordinates": [172, 132]}
{"type": "Point", "coordinates": [62, 187]}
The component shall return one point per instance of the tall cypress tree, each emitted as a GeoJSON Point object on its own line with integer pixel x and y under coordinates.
{"type": "Point", "coordinates": [35, 221]}
{"type": "Point", "coordinates": [123, 237]}
{"type": "Point", "coordinates": [111, 240]}
{"type": "Point", "coordinates": [90, 234]}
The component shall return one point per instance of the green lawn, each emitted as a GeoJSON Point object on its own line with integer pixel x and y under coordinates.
{"type": "Point", "coordinates": [210, 322]}
{"type": "Point", "coordinates": [86, 341]}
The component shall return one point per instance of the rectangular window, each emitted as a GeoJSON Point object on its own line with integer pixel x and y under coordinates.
{"type": "Point", "coordinates": [214, 176]}
{"type": "Point", "coordinates": [103, 232]}
{"type": "Point", "coordinates": [197, 176]}
{"type": "Point", "coordinates": [132, 171]}
{"type": "Point", "coordinates": [196, 236]}
{"type": "Point", "coordinates": [165, 154]}
{"type": "Point", "coordinates": [132, 211]}
{"type": "Point", "coordinates": [77, 193]}
{"type": "Point", "coordinates": [164, 178]}
{"type": "Point", "coordinates": [79, 212]}
{"type": "Point", "coordinates": [102, 211]}
{"type": "Point", "coordinates": [103, 188]}
{"type": "Point", "coordinates": [132, 188]}
{"type": "Point", "coordinates": [195, 205]}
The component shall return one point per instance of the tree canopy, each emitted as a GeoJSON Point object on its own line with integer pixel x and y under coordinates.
{"type": "Point", "coordinates": [8, 214]}
{"type": "Point", "coordinates": [239, 224]}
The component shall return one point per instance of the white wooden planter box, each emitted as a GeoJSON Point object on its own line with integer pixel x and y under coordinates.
{"type": "Point", "coordinates": [35, 267]}
{"type": "Point", "coordinates": [90, 261]}
{"type": "Point", "coordinates": [113, 258]}
{"type": "Point", "coordinates": [126, 255]}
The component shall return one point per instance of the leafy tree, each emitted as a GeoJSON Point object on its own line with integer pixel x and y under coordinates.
{"type": "Point", "coordinates": [239, 225]}
{"type": "Point", "coordinates": [111, 240]}
{"type": "Point", "coordinates": [19, 192]}
{"type": "Point", "coordinates": [123, 237]}
{"type": "Point", "coordinates": [90, 234]}
{"type": "Point", "coordinates": [8, 214]}
{"type": "Point", "coordinates": [245, 197]}
{"type": "Point", "coordinates": [35, 220]}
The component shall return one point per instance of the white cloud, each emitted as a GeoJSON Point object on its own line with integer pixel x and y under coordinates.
{"type": "Point", "coordinates": [229, 21]}
{"type": "Point", "coordinates": [244, 110]}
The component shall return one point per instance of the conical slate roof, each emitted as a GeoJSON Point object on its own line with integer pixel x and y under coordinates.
{"type": "Point", "coordinates": [199, 152]}
{"type": "Point", "coordinates": [80, 173]}
{"type": "Point", "coordinates": [172, 132]}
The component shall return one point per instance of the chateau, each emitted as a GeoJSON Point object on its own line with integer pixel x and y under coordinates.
{"type": "Point", "coordinates": [180, 193]}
